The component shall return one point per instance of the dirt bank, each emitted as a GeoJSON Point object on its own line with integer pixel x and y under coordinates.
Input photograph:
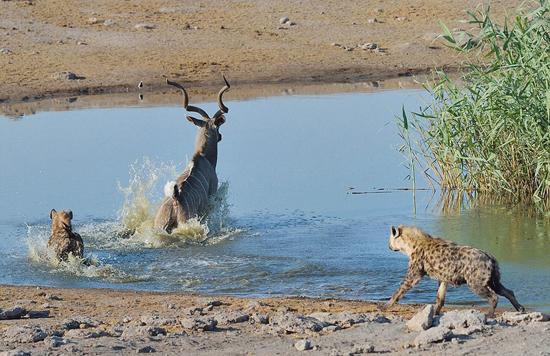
{"type": "Point", "coordinates": [114, 45]}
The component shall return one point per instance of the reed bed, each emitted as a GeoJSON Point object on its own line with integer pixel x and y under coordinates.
{"type": "Point", "coordinates": [488, 131]}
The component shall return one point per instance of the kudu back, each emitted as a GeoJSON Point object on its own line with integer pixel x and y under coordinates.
{"type": "Point", "coordinates": [188, 196]}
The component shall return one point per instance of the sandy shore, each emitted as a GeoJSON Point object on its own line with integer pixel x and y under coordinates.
{"type": "Point", "coordinates": [110, 47]}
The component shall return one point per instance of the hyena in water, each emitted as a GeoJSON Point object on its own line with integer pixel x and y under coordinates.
{"type": "Point", "coordinates": [448, 263]}
{"type": "Point", "coordinates": [63, 240]}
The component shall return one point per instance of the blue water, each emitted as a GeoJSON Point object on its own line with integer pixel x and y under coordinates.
{"type": "Point", "coordinates": [290, 224]}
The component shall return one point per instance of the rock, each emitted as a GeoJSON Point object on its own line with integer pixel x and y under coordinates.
{"type": "Point", "coordinates": [372, 21]}
{"type": "Point", "coordinates": [146, 350]}
{"type": "Point", "coordinates": [202, 324]}
{"type": "Point", "coordinates": [283, 20]}
{"type": "Point", "coordinates": [458, 319]}
{"type": "Point", "coordinates": [158, 320]}
{"type": "Point", "coordinates": [36, 314]}
{"type": "Point", "coordinates": [293, 323]}
{"type": "Point", "coordinates": [366, 348]}
{"type": "Point", "coordinates": [232, 317]}
{"type": "Point", "coordinates": [64, 75]}
{"type": "Point", "coordinates": [259, 318]}
{"type": "Point", "coordinates": [69, 324]}
{"type": "Point", "coordinates": [347, 319]}
{"type": "Point", "coordinates": [24, 333]}
{"type": "Point", "coordinates": [84, 334]}
{"type": "Point", "coordinates": [55, 341]}
{"type": "Point", "coordinates": [108, 23]}
{"type": "Point", "coordinates": [80, 322]}
{"type": "Point", "coordinates": [194, 311]}
{"type": "Point", "coordinates": [368, 46]}
{"type": "Point", "coordinates": [432, 335]}
{"type": "Point", "coordinates": [143, 26]}
{"type": "Point", "coordinates": [422, 320]}
{"type": "Point", "coordinates": [302, 345]}
{"type": "Point", "coordinates": [15, 353]}
{"type": "Point", "coordinates": [6, 51]}
{"type": "Point", "coordinates": [12, 313]}
{"type": "Point", "coordinates": [523, 318]}
{"type": "Point", "coordinates": [211, 302]}
{"type": "Point", "coordinates": [142, 331]}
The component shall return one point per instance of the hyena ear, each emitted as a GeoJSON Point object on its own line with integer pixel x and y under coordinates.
{"type": "Point", "coordinates": [53, 213]}
{"type": "Point", "coordinates": [395, 232]}
{"type": "Point", "coordinates": [70, 212]}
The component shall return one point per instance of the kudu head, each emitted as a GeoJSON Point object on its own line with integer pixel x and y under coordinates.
{"type": "Point", "coordinates": [208, 136]}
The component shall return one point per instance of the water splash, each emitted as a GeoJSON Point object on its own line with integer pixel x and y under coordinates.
{"type": "Point", "coordinates": [137, 210]}
{"type": "Point", "coordinates": [88, 266]}
{"type": "Point", "coordinates": [143, 197]}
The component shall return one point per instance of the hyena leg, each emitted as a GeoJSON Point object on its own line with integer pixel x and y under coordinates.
{"type": "Point", "coordinates": [501, 290]}
{"type": "Point", "coordinates": [440, 300]}
{"type": "Point", "coordinates": [410, 281]}
{"type": "Point", "coordinates": [486, 293]}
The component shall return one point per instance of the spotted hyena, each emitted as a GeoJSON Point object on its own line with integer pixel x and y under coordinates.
{"type": "Point", "coordinates": [63, 240]}
{"type": "Point", "coordinates": [447, 263]}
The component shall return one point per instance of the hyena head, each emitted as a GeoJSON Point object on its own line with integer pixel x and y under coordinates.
{"type": "Point", "coordinates": [404, 238]}
{"type": "Point", "coordinates": [61, 220]}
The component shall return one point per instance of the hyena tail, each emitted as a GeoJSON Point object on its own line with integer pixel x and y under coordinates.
{"type": "Point", "coordinates": [499, 289]}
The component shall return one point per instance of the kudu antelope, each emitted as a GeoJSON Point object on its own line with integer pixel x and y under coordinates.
{"type": "Point", "coordinates": [188, 196]}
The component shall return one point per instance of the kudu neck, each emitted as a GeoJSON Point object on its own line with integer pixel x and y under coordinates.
{"type": "Point", "coordinates": [206, 145]}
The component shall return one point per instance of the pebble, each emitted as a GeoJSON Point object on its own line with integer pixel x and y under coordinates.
{"type": "Point", "coordinates": [369, 46]}
{"type": "Point", "coordinates": [144, 26]}
{"type": "Point", "coordinates": [303, 345]}
{"type": "Point", "coordinates": [146, 350]}
{"type": "Point", "coordinates": [6, 51]}
{"type": "Point", "coordinates": [366, 348]}
{"type": "Point", "coordinates": [64, 75]}
{"type": "Point", "coordinates": [284, 20]}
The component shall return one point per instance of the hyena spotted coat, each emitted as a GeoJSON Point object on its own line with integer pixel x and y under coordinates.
{"type": "Point", "coordinates": [448, 263]}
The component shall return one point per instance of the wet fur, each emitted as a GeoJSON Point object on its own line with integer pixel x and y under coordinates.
{"type": "Point", "coordinates": [448, 263]}
{"type": "Point", "coordinates": [63, 240]}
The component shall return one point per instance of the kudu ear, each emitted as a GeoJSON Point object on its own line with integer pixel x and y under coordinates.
{"type": "Point", "coordinates": [220, 121]}
{"type": "Point", "coordinates": [53, 213]}
{"type": "Point", "coordinates": [70, 213]}
{"type": "Point", "coordinates": [197, 122]}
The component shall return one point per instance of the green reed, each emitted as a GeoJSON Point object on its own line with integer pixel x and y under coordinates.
{"type": "Point", "coordinates": [489, 130]}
